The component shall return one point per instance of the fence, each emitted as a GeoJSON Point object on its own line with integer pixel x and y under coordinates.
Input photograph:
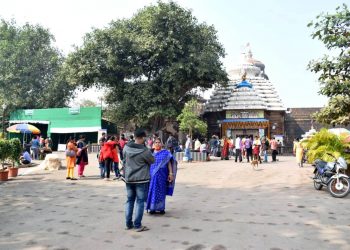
{"type": "Point", "coordinates": [196, 156]}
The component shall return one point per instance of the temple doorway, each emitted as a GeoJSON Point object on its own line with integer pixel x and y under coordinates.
{"type": "Point", "coordinates": [242, 133]}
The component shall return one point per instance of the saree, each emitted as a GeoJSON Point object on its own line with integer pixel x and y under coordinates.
{"type": "Point", "coordinates": [225, 150]}
{"type": "Point", "coordinates": [159, 186]}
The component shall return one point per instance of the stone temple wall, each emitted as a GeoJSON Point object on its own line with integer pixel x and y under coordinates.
{"type": "Point", "coordinates": [297, 122]}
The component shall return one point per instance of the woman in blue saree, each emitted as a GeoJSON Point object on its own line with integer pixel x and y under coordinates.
{"type": "Point", "coordinates": [163, 174]}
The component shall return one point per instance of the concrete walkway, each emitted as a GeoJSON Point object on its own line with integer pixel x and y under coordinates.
{"type": "Point", "coordinates": [216, 205]}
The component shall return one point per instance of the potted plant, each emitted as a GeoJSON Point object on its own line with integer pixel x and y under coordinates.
{"type": "Point", "coordinates": [3, 155]}
{"type": "Point", "coordinates": [15, 150]}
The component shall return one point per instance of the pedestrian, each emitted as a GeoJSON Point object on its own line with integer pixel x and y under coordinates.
{"type": "Point", "coordinates": [231, 147]}
{"type": "Point", "coordinates": [197, 145]}
{"type": "Point", "coordinates": [238, 149]}
{"type": "Point", "coordinates": [150, 143]}
{"type": "Point", "coordinates": [163, 174]}
{"type": "Point", "coordinates": [122, 142]}
{"type": "Point", "coordinates": [298, 151]}
{"type": "Point", "coordinates": [101, 163]}
{"type": "Point", "coordinates": [188, 146]}
{"type": "Point", "coordinates": [137, 158]}
{"type": "Point", "coordinates": [248, 147]}
{"type": "Point", "coordinates": [172, 144]}
{"type": "Point", "coordinates": [264, 148]}
{"type": "Point", "coordinates": [82, 156]}
{"type": "Point", "coordinates": [225, 148]}
{"type": "Point", "coordinates": [35, 144]}
{"type": "Point", "coordinates": [71, 153]}
{"type": "Point", "coordinates": [204, 149]}
{"type": "Point", "coordinates": [213, 145]}
{"type": "Point", "coordinates": [103, 139]}
{"type": "Point", "coordinates": [256, 149]}
{"type": "Point", "coordinates": [274, 146]}
{"type": "Point", "coordinates": [110, 156]}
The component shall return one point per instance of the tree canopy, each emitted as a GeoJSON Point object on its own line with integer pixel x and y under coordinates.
{"type": "Point", "coordinates": [334, 71]}
{"type": "Point", "coordinates": [151, 63]}
{"type": "Point", "coordinates": [30, 68]}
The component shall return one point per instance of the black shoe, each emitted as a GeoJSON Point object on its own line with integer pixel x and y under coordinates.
{"type": "Point", "coordinates": [74, 179]}
{"type": "Point", "coordinates": [152, 212]}
{"type": "Point", "coordinates": [162, 212]}
{"type": "Point", "coordinates": [68, 178]}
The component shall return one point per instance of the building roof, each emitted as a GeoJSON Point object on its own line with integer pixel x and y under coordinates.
{"type": "Point", "coordinates": [62, 120]}
{"type": "Point", "coordinates": [253, 92]}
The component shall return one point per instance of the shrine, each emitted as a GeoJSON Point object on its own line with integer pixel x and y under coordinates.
{"type": "Point", "coordinates": [248, 106]}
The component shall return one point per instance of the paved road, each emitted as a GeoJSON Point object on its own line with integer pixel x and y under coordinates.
{"type": "Point", "coordinates": [217, 205]}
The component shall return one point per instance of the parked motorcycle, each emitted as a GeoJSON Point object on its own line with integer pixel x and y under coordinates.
{"type": "Point", "coordinates": [330, 174]}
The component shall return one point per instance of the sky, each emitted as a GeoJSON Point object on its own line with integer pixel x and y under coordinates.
{"type": "Point", "coordinates": [276, 30]}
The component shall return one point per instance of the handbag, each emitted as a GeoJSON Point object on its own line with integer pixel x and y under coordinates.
{"type": "Point", "coordinates": [70, 153]}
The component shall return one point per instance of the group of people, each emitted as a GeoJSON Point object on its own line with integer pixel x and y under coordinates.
{"type": "Point", "coordinates": [242, 147]}
{"type": "Point", "coordinates": [39, 145]}
{"type": "Point", "coordinates": [149, 177]}
{"type": "Point", "coordinates": [76, 155]}
{"type": "Point", "coordinates": [149, 173]}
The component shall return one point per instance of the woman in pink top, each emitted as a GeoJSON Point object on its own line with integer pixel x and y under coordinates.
{"type": "Point", "coordinates": [274, 145]}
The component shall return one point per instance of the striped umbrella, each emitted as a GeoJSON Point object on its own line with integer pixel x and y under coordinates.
{"type": "Point", "coordinates": [23, 128]}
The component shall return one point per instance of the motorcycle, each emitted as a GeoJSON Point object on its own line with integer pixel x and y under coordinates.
{"type": "Point", "coordinates": [330, 174]}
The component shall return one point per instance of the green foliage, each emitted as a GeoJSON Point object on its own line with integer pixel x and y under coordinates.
{"type": "Point", "coordinates": [6, 151]}
{"type": "Point", "coordinates": [325, 142]}
{"type": "Point", "coordinates": [189, 119]}
{"type": "Point", "coordinates": [151, 62]}
{"type": "Point", "coordinates": [336, 112]}
{"type": "Point", "coordinates": [30, 72]}
{"type": "Point", "coordinates": [334, 71]}
{"type": "Point", "coordinates": [15, 150]}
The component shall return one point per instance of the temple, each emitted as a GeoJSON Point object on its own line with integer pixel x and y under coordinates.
{"type": "Point", "coordinates": [249, 105]}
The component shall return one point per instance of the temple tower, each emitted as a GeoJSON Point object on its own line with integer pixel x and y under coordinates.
{"type": "Point", "coordinates": [249, 105]}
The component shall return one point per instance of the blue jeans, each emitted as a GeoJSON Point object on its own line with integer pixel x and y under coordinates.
{"type": "Point", "coordinates": [35, 153]}
{"type": "Point", "coordinates": [102, 169]}
{"type": "Point", "coordinates": [116, 169]}
{"type": "Point", "coordinates": [188, 154]}
{"type": "Point", "coordinates": [139, 193]}
{"type": "Point", "coordinates": [265, 155]}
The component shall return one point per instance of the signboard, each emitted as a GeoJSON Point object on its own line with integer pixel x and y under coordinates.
{"type": "Point", "coordinates": [236, 114]}
{"type": "Point", "coordinates": [28, 112]}
{"type": "Point", "coordinates": [74, 110]}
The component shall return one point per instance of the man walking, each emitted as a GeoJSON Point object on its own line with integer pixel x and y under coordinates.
{"type": "Point", "coordinates": [238, 149]}
{"type": "Point", "coordinates": [274, 146]}
{"type": "Point", "coordinates": [188, 146]}
{"type": "Point", "coordinates": [138, 159]}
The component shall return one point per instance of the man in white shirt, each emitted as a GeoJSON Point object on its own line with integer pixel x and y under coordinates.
{"type": "Point", "coordinates": [238, 149]}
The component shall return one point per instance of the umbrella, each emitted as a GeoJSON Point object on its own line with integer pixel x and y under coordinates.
{"type": "Point", "coordinates": [23, 128]}
{"type": "Point", "coordinates": [339, 131]}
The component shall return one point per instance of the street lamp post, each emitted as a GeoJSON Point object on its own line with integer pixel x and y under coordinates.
{"type": "Point", "coordinates": [3, 119]}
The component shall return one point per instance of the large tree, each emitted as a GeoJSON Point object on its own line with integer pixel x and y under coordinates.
{"type": "Point", "coordinates": [30, 68]}
{"type": "Point", "coordinates": [151, 63]}
{"type": "Point", "coordinates": [334, 71]}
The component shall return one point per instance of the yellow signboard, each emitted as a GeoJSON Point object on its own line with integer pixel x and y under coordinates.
{"type": "Point", "coordinates": [237, 114]}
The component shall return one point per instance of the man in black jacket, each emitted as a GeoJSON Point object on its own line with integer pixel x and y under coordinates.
{"type": "Point", "coordinates": [137, 158]}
